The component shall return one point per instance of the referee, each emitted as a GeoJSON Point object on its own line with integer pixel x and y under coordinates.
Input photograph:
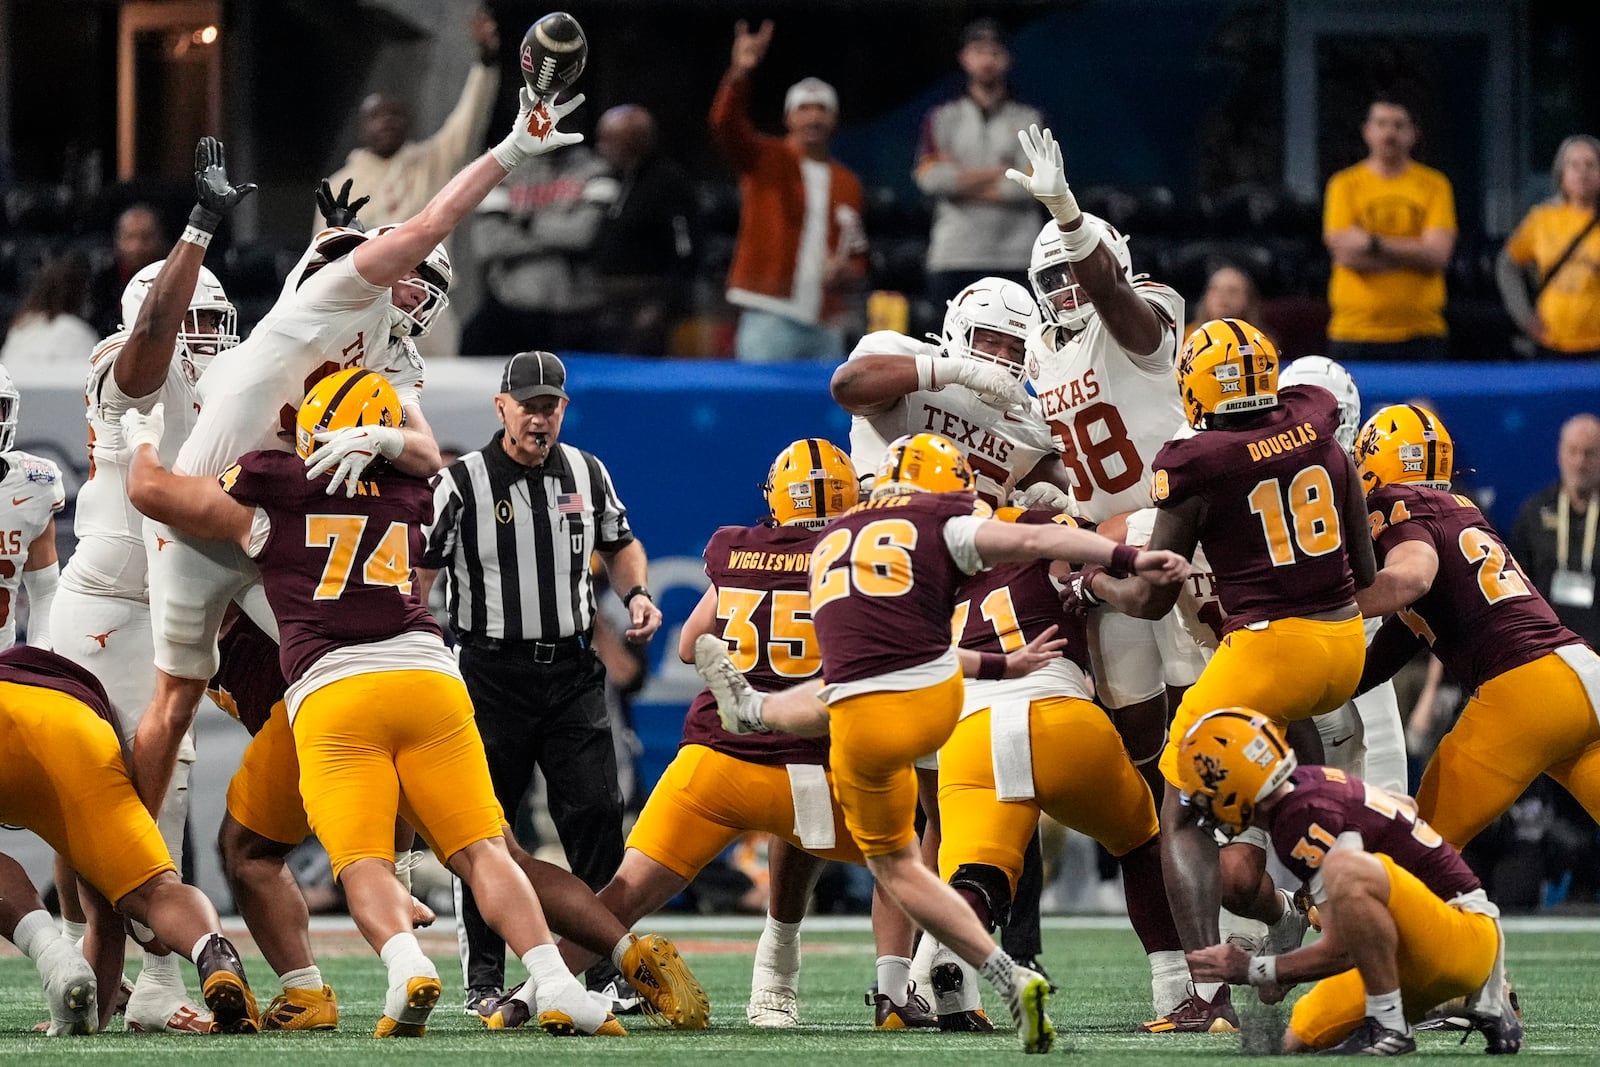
{"type": "Point", "coordinates": [515, 525]}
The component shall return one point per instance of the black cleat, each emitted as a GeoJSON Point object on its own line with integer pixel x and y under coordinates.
{"type": "Point", "coordinates": [1372, 1038]}
{"type": "Point", "coordinates": [225, 990]}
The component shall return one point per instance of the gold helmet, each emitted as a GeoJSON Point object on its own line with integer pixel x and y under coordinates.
{"type": "Point", "coordinates": [1405, 444]}
{"type": "Point", "coordinates": [1227, 365]}
{"type": "Point", "coordinates": [922, 463]}
{"type": "Point", "coordinates": [353, 397]}
{"type": "Point", "coordinates": [810, 482]}
{"type": "Point", "coordinates": [1228, 762]}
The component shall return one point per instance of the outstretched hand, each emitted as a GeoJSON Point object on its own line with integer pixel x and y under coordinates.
{"type": "Point", "coordinates": [338, 210]}
{"type": "Point", "coordinates": [750, 47]}
{"type": "Point", "coordinates": [214, 194]}
{"type": "Point", "coordinates": [1035, 654]}
{"type": "Point", "coordinates": [1048, 181]}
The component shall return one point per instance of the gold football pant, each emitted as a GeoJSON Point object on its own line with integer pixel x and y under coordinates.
{"type": "Point", "coordinates": [875, 739]}
{"type": "Point", "coordinates": [1530, 720]}
{"type": "Point", "coordinates": [1082, 778]}
{"type": "Point", "coordinates": [376, 744]}
{"type": "Point", "coordinates": [264, 793]}
{"type": "Point", "coordinates": [64, 779]}
{"type": "Point", "coordinates": [1289, 669]}
{"type": "Point", "coordinates": [706, 799]}
{"type": "Point", "coordinates": [1442, 952]}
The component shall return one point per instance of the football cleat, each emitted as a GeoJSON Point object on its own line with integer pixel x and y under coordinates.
{"type": "Point", "coordinates": [479, 999]}
{"type": "Point", "coordinates": [302, 1009]}
{"type": "Point", "coordinates": [225, 990]}
{"type": "Point", "coordinates": [421, 994]}
{"type": "Point", "coordinates": [1030, 993]}
{"type": "Point", "coordinates": [670, 991]}
{"type": "Point", "coordinates": [1195, 1015]}
{"type": "Point", "coordinates": [508, 1012]}
{"type": "Point", "coordinates": [69, 990]}
{"type": "Point", "coordinates": [1372, 1038]}
{"type": "Point", "coordinates": [773, 1008]}
{"type": "Point", "coordinates": [951, 1000]}
{"type": "Point", "coordinates": [738, 704]}
{"type": "Point", "coordinates": [1286, 934]}
{"type": "Point", "coordinates": [560, 1024]}
{"type": "Point", "coordinates": [914, 1014]}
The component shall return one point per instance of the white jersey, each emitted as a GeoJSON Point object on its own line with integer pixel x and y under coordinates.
{"type": "Point", "coordinates": [31, 493]}
{"type": "Point", "coordinates": [249, 395]}
{"type": "Point", "coordinates": [1001, 446]}
{"type": "Point", "coordinates": [1199, 605]}
{"type": "Point", "coordinates": [109, 558]}
{"type": "Point", "coordinates": [1109, 412]}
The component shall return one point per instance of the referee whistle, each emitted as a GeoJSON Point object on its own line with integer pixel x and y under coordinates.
{"type": "Point", "coordinates": [542, 440]}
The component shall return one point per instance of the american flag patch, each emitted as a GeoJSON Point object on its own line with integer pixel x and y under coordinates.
{"type": "Point", "coordinates": [569, 503]}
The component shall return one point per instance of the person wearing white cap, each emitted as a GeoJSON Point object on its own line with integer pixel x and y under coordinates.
{"type": "Point", "coordinates": [801, 247]}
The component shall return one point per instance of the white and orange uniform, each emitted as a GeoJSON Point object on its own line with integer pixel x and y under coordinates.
{"type": "Point", "coordinates": [1109, 412]}
{"type": "Point", "coordinates": [32, 485]}
{"type": "Point", "coordinates": [327, 322]}
{"type": "Point", "coordinates": [1000, 447]}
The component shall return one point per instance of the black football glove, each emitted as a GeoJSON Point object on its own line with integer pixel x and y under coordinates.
{"type": "Point", "coordinates": [338, 210]}
{"type": "Point", "coordinates": [214, 195]}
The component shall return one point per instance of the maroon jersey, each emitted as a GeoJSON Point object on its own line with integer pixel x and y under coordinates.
{"type": "Point", "coordinates": [761, 574]}
{"type": "Point", "coordinates": [1481, 615]}
{"type": "Point", "coordinates": [250, 681]}
{"type": "Point", "coordinates": [1274, 493]}
{"type": "Point", "coordinates": [1326, 802]}
{"type": "Point", "coordinates": [1008, 605]}
{"type": "Point", "coordinates": [25, 665]}
{"type": "Point", "coordinates": [337, 570]}
{"type": "Point", "coordinates": [883, 585]}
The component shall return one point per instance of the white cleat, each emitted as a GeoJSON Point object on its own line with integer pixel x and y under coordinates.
{"type": "Point", "coordinates": [158, 1007]}
{"type": "Point", "coordinates": [738, 704]}
{"type": "Point", "coordinates": [1286, 934]}
{"type": "Point", "coordinates": [1028, 1001]}
{"type": "Point", "coordinates": [69, 990]}
{"type": "Point", "coordinates": [773, 1007]}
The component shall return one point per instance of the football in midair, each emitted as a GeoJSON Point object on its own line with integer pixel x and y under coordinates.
{"type": "Point", "coordinates": [554, 51]}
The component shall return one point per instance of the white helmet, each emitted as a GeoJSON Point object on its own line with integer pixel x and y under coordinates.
{"type": "Point", "coordinates": [1052, 278]}
{"type": "Point", "coordinates": [435, 276]}
{"type": "Point", "coordinates": [198, 342]}
{"type": "Point", "coordinates": [10, 401]}
{"type": "Point", "coordinates": [1330, 375]}
{"type": "Point", "coordinates": [989, 304]}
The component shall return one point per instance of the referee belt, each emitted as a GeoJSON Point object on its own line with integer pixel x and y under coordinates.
{"type": "Point", "coordinates": [539, 651]}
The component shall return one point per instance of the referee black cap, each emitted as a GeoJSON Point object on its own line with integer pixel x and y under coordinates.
{"type": "Point", "coordinates": [530, 374]}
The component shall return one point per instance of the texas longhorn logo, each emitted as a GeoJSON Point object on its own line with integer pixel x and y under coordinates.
{"type": "Point", "coordinates": [1210, 770]}
{"type": "Point", "coordinates": [539, 121]}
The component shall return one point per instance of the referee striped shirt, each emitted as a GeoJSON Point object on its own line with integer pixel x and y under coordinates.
{"type": "Point", "coordinates": [515, 542]}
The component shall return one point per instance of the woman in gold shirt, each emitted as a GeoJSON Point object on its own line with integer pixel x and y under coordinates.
{"type": "Point", "coordinates": [1560, 241]}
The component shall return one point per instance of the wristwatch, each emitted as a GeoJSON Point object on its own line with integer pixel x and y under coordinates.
{"type": "Point", "coordinates": [637, 590]}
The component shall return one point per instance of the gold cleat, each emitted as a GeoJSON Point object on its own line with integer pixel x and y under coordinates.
{"type": "Point", "coordinates": [669, 990]}
{"type": "Point", "coordinates": [422, 993]}
{"type": "Point", "coordinates": [302, 1009]}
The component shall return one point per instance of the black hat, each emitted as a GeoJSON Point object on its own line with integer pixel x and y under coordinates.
{"type": "Point", "coordinates": [529, 374]}
{"type": "Point", "coordinates": [983, 30]}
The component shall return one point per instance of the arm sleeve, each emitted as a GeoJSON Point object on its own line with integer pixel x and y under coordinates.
{"type": "Point", "coordinates": [260, 530]}
{"type": "Point", "coordinates": [731, 129]}
{"type": "Point", "coordinates": [611, 517]}
{"type": "Point", "coordinates": [338, 287]}
{"type": "Point", "coordinates": [443, 533]}
{"type": "Point", "coordinates": [1338, 211]}
{"type": "Point", "coordinates": [1441, 208]}
{"type": "Point", "coordinates": [961, 539]}
{"type": "Point", "coordinates": [464, 127]}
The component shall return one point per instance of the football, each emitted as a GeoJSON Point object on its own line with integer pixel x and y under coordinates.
{"type": "Point", "coordinates": [554, 52]}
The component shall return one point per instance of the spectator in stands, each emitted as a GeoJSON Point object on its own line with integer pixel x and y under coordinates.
{"type": "Point", "coordinates": [534, 236]}
{"type": "Point", "coordinates": [1554, 536]}
{"type": "Point", "coordinates": [1560, 241]}
{"type": "Point", "coordinates": [982, 224]}
{"type": "Point", "coordinates": [139, 242]}
{"type": "Point", "coordinates": [801, 247]}
{"type": "Point", "coordinates": [644, 251]}
{"type": "Point", "coordinates": [1230, 294]}
{"type": "Point", "coordinates": [49, 341]}
{"type": "Point", "coordinates": [1389, 223]}
{"type": "Point", "coordinates": [401, 175]}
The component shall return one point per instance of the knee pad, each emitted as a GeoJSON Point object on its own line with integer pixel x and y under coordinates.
{"type": "Point", "coordinates": [989, 883]}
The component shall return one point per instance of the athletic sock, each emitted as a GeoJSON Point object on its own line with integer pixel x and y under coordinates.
{"type": "Point", "coordinates": [162, 969]}
{"type": "Point", "coordinates": [1000, 969]}
{"type": "Point", "coordinates": [1386, 1008]}
{"type": "Point", "coordinates": [894, 978]}
{"type": "Point", "coordinates": [778, 949]}
{"type": "Point", "coordinates": [1207, 991]}
{"type": "Point", "coordinates": [302, 978]}
{"type": "Point", "coordinates": [621, 949]}
{"type": "Point", "coordinates": [35, 932]}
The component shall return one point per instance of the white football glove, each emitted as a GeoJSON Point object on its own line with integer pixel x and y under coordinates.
{"type": "Point", "coordinates": [994, 385]}
{"type": "Point", "coordinates": [1042, 495]}
{"type": "Point", "coordinates": [349, 451]}
{"type": "Point", "coordinates": [1048, 182]}
{"type": "Point", "coordinates": [534, 133]}
{"type": "Point", "coordinates": [140, 429]}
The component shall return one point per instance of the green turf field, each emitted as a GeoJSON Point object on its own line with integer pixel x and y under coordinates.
{"type": "Point", "coordinates": [1104, 993]}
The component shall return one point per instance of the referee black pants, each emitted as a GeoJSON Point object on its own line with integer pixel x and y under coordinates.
{"type": "Point", "coordinates": [553, 716]}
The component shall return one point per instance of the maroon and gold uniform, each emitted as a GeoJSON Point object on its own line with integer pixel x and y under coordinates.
{"type": "Point", "coordinates": [1535, 685]}
{"type": "Point", "coordinates": [64, 776]}
{"type": "Point", "coordinates": [721, 785]}
{"type": "Point", "coordinates": [381, 720]}
{"type": "Point", "coordinates": [264, 793]}
{"type": "Point", "coordinates": [1447, 935]}
{"type": "Point", "coordinates": [1273, 490]}
{"type": "Point", "coordinates": [884, 577]}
